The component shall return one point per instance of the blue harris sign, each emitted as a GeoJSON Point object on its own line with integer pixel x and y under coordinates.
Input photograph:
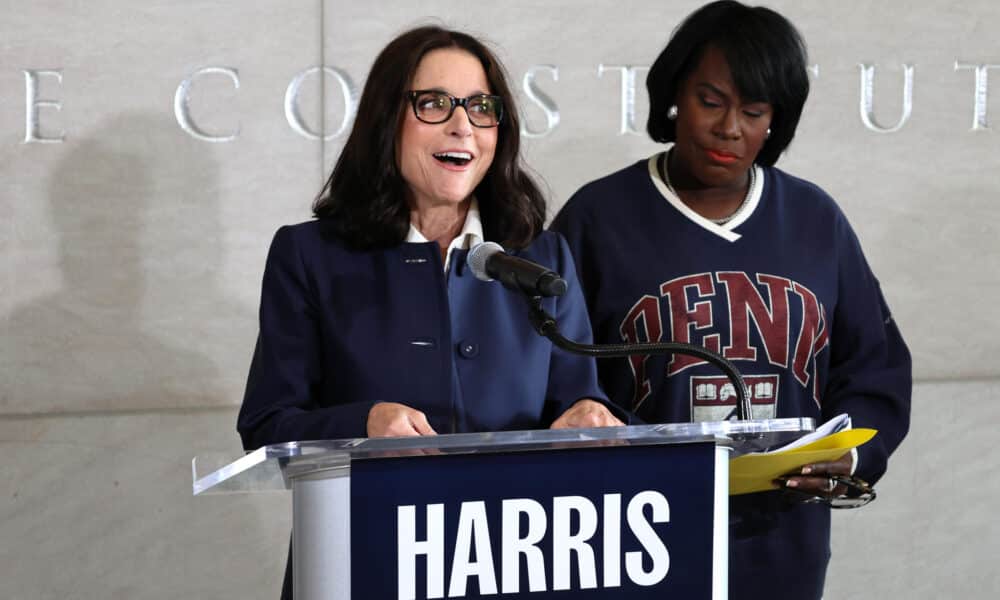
{"type": "Point", "coordinates": [618, 521]}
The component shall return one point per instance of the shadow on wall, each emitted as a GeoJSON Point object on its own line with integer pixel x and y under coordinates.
{"type": "Point", "coordinates": [140, 321]}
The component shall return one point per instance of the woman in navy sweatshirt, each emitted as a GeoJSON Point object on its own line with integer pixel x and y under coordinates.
{"type": "Point", "coordinates": [707, 242]}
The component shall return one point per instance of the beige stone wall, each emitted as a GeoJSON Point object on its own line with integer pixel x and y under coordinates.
{"type": "Point", "coordinates": [131, 248]}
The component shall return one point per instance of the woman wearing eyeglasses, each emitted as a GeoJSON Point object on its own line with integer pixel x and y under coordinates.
{"type": "Point", "coordinates": [370, 323]}
{"type": "Point", "coordinates": [707, 242]}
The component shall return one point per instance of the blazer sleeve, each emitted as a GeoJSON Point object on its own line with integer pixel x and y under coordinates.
{"type": "Point", "coordinates": [870, 376]}
{"type": "Point", "coordinates": [282, 398]}
{"type": "Point", "coordinates": [573, 377]}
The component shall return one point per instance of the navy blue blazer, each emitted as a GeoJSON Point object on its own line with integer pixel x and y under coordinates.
{"type": "Point", "coordinates": [341, 330]}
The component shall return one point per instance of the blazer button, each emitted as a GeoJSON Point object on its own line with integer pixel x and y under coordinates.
{"type": "Point", "coordinates": [468, 349]}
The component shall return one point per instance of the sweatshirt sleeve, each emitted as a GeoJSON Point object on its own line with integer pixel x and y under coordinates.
{"type": "Point", "coordinates": [870, 375]}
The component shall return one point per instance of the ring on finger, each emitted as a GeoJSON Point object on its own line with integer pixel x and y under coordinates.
{"type": "Point", "coordinates": [831, 483]}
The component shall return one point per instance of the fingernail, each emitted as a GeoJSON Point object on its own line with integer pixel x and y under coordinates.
{"type": "Point", "coordinates": [807, 470]}
{"type": "Point", "coordinates": [791, 483]}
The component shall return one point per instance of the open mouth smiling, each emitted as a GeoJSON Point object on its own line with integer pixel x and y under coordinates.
{"type": "Point", "coordinates": [454, 158]}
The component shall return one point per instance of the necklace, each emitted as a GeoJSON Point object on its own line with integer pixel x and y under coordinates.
{"type": "Point", "coordinates": [746, 199]}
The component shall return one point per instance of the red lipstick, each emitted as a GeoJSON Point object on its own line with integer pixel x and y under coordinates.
{"type": "Point", "coordinates": [722, 157]}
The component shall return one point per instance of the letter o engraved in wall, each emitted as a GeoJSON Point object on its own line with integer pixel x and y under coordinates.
{"type": "Point", "coordinates": [349, 95]}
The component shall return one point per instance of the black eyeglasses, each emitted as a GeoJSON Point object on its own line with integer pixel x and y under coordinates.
{"type": "Point", "coordinates": [431, 106]}
{"type": "Point", "coordinates": [859, 493]}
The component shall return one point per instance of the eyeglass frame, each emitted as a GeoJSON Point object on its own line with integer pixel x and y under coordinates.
{"type": "Point", "coordinates": [859, 493]}
{"type": "Point", "coordinates": [412, 95]}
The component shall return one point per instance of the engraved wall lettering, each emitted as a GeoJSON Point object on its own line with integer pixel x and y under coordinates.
{"type": "Point", "coordinates": [182, 110]}
{"type": "Point", "coordinates": [981, 96]}
{"type": "Point", "coordinates": [32, 103]}
{"type": "Point", "coordinates": [629, 76]}
{"type": "Point", "coordinates": [349, 94]}
{"type": "Point", "coordinates": [539, 98]}
{"type": "Point", "coordinates": [627, 88]}
{"type": "Point", "coordinates": [866, 105]}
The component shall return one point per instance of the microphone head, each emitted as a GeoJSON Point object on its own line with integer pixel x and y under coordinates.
{"type": "Point", "coordinates": [551, 284]}
{"type": "Point", "coordinates": [478, 255]}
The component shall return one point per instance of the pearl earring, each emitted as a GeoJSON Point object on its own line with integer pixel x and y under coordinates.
{"type": "Point", "coordinates": [672, 112]}
{"type": "Point", "coordinates": [767, 133]}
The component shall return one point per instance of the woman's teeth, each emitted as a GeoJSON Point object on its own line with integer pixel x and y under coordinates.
{"type": "Point", "coordinates": [455, 158]}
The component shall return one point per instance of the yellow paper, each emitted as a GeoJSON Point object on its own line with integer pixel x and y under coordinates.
{"type": "Point", "coordinates": [756, 472]}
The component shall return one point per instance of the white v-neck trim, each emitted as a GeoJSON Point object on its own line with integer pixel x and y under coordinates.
{"type": "Point", "coordinates": [725, 231]}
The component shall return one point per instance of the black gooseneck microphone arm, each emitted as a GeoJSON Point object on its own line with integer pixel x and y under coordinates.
{"type": "Point", "coordinates": [546, 326]}
{"type": "Point", "coordinates": [488, 260]}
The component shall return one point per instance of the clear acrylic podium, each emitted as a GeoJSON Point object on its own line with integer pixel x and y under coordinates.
{"type": "Point", "coordinates": [319, 474]}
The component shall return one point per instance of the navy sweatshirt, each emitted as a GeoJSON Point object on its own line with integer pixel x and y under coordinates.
{"type": "Point", "coordinates": [784, 291]}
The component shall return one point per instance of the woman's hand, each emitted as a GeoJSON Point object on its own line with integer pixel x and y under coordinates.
{"type": "Point", "coordinates": [586, 413]}
{"type": "Point", "coordinates": [815, 479]}
{"type": "Point", "coordinates": [390, 419]}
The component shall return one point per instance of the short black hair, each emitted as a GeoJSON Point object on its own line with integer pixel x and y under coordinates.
{"type": "Point", "coordinates": [767, 58]}
{"type": "Point", "coordinates": [364, 200]}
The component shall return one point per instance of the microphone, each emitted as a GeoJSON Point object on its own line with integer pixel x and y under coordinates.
{"type": "Point", "coordinates": [488, 261]}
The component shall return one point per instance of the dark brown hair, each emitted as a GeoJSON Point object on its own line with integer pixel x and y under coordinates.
{"type": "Point", "coordinates": [364, 200]}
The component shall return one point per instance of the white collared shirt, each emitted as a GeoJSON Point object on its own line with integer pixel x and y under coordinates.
{"type": "Point", "coordinates": [471, 234]}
